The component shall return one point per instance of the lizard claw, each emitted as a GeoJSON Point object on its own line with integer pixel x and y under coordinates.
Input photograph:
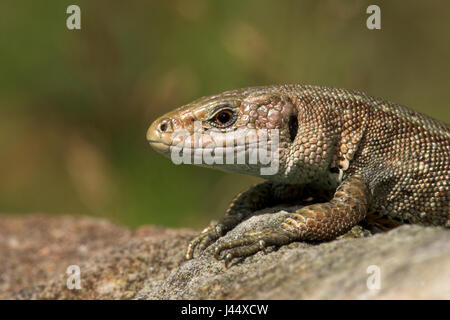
{"type": "Point", "coordinates": [203, 240]}
{"type": "Point", "coordinates": [251, 243]}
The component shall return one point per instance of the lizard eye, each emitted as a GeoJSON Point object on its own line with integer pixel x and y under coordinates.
{"type": "Point", "coordinates": [223, 118]}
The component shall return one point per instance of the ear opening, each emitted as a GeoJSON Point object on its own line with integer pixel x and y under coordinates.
{"type": "Point", "coordinates": [293, 127]}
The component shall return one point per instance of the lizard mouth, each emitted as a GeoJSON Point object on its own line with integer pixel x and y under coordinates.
{"type": "Point", "coordinates": [160, 146]}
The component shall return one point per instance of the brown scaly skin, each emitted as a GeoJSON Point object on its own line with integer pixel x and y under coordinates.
{"type": "Point", "coordinates": [376, 156]}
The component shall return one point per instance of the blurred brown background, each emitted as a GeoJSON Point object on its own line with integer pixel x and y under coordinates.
{"type": "Point", "coordinates": [75, 105]}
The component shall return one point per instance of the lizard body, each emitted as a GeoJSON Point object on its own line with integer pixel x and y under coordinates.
{"type": "Point", "coordinates": [374, 155]}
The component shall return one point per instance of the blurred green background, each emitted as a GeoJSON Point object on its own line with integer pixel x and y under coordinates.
{"type": "Point", "coordinates": [75, 105]}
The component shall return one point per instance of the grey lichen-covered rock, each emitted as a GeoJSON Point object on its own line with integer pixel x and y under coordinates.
{"type": "Point", "coordinates": [413, 262]}
{"type": "Point", "coordinates": [148, 263]}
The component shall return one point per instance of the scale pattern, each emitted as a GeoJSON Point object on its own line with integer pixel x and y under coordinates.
{"type": "Point", "coordinates": [374, 155]}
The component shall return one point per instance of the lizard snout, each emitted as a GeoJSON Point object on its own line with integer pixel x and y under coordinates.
{"type": "Point", "coordinates": [159, 135]}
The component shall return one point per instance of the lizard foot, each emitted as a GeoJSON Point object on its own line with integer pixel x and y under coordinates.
{"type": "Point", "coordinates": [251, 243]}
{"type": "Point", "coordinates": [204, 239]}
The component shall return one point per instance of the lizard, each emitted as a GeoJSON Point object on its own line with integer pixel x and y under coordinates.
{"type": "Point", "coordinates": [368, 154]}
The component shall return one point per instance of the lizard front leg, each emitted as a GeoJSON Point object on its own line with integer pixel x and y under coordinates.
{"type": "Point", "coordinates": [245, 204]}
{"type": "Point", "coordinates": [317, 222]}
{"type": "Point", "coordinates": [242, 206]}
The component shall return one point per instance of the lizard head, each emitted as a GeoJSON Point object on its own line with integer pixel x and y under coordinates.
{"type": "Point", "coordinates": [229, 130]}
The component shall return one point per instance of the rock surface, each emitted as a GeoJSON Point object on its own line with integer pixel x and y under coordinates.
{"type": "Point", "coordinates": [148, 263]}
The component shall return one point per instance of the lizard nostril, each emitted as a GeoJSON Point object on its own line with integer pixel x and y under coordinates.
{"type": "Point", "coordinates": [163, 126]}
